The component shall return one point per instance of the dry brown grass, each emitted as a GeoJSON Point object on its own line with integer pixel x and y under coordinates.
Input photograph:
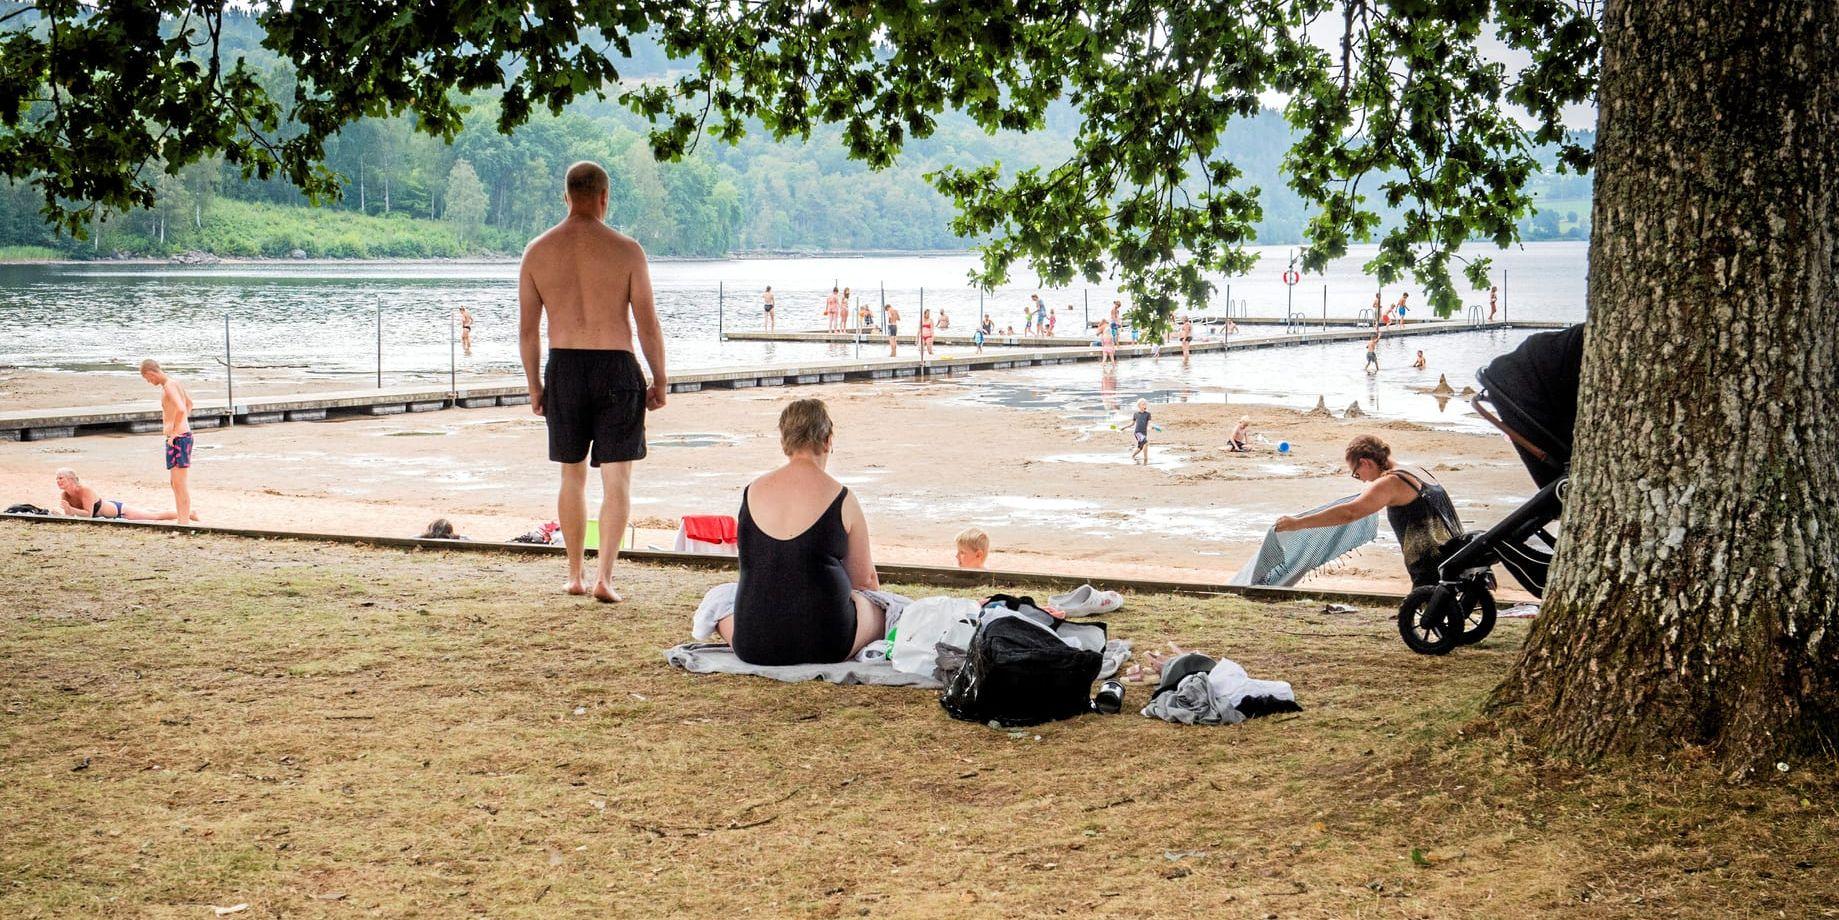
{"type": "Point", "coordinates": [338, 731]}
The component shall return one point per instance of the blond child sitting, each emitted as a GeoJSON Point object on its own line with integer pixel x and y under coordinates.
{"type": "Point", "coordinates": [973, 548]}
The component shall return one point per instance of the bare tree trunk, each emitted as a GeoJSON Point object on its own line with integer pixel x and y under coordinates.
{"type": "Point", "coordinates": [1694, 601]}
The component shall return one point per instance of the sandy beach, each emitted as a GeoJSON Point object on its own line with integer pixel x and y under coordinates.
{"type": "Point", "coordinates": [1056, 490]}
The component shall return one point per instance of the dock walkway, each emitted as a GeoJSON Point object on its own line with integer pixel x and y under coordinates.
{"type": "Point", "coordinates": [144, 416]}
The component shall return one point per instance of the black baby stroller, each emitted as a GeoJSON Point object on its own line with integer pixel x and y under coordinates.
{"type": "Point", "coordinates": [1533, 394]}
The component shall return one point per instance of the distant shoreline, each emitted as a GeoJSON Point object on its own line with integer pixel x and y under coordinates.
{"type": "Point", "coordinates": [750, 255]}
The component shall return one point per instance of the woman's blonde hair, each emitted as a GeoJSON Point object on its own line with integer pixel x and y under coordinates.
{"type": "Point", "coordinates": [805, 425]}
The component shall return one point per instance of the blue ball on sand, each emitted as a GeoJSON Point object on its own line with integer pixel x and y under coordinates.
{"type": "Point", "coordinates": [1283, 447]}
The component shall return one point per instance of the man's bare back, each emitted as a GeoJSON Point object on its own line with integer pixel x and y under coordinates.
{"type": "Point", "coordinates": [586, 279]}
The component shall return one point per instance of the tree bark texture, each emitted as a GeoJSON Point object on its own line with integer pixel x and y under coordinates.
{"type": "Point", "coordinates": [1693, 600]}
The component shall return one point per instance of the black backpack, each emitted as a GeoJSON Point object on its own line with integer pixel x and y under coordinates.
{"type": "Point", "coordinates": [26, 509]}
{"type": "Point", "coordinates": [1017, 672]}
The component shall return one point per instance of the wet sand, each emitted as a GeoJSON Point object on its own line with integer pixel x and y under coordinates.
{"type": "Point", "coordinates": [1056, 490]}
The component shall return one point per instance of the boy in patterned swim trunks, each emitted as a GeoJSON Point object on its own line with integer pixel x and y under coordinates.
{"type": "Point", "coordinates": [175, 417]}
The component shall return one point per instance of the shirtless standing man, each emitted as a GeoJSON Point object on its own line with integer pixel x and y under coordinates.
{"type": "Point", "coordinates": [891, 317]}
{"type": "Point", "coordinates": [466, 331]}
{"type": "Point", "coordinates": [176, 423]}
{"type": "Point", "coordinates": [592, 284]}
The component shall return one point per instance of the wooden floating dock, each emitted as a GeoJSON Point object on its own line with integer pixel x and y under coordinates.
{"type": "Point", "coordinates": [143, 416]}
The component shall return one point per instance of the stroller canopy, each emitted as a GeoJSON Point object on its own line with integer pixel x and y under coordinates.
{"type": "Point", "coordinates": [1534, 390]}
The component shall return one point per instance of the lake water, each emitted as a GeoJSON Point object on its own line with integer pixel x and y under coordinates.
{"type": "Point", "coordinates": [322, 317]}
{"type": "Point", "coordinates": [1294, 376]}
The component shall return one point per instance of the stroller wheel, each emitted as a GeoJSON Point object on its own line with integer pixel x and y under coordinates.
{"type": "Point", "coordinates": [1430, 620]}
{"type": "Point", "coordinates": [1478, 614]}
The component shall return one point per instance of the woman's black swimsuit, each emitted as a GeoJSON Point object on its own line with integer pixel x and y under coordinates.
{"type": "Point", "coordinates": [794, 604]}
{"type": "Point", "coordinates": [1423, 526]}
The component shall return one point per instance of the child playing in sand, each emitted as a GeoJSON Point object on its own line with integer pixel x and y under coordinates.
{"type": "Point", "coordinates": [973, 548]}
{"type": "Point", "coordinates": [1240, 432]}
{"type": "Point", "coordinates": [1141, 430]}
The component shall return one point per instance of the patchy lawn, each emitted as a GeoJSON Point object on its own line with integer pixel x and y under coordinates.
{"type": "Point", "coordinates": [315, 730]}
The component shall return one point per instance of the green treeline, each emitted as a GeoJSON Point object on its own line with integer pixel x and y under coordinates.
{"type": "Point", "coordinates": [408, 195]}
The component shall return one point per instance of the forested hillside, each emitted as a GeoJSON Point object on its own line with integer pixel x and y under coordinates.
{"type": "Point", "coordinates": [410, 195]}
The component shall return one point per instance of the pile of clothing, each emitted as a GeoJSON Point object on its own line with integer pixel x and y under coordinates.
{"type": "Point", "coordinates": [1199, 690]}
{"type": "Point", "coordinates": [548, 533]}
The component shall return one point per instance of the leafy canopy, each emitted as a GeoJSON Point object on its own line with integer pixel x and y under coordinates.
{"type": "Point", "coordinates": [1393, 101]}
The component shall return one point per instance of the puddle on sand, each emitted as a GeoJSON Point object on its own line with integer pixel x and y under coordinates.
{"type": "Point", "coordinates": [1158, 459]}
{"type": "Point", "coordinates": [694, 439]}
{"type": "Point", "coordinates": [1281, 469]}
{"type": "Point", "coordinates": [1076, 516]}
{"type": "Point", "coordinates": [1077, 401]}
{"type": "Point", "coordinates": [1026, 503]}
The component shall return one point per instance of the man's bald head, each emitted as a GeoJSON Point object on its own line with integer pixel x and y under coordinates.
{"type": "Point", "coordinates": [151, 371]}
{"type": "Point", "coordinates": [587, 186]}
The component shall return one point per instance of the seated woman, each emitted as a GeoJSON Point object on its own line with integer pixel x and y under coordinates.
{"type": "Point", "coordinates": [804, 557]}
{"type": "Point", "coordinates": [1420, 511]}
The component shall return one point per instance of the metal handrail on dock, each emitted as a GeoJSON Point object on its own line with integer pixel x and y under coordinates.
{"type": "Point", "coordinates": [144, 416]}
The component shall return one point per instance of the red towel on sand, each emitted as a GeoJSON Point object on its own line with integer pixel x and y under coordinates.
{"type": "Point", "coordinates": [711, 528]}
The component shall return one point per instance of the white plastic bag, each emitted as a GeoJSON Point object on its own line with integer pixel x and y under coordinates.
{"type": "Point", "coordinates": [927, 622]}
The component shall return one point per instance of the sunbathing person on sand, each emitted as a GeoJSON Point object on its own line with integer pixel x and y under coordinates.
{"type": "Point", "coordinates": [804, 557]}
{"type": "Point", "coordinates": [440, 529]}
{"type": "Point", "coordinates": [78, 500]}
